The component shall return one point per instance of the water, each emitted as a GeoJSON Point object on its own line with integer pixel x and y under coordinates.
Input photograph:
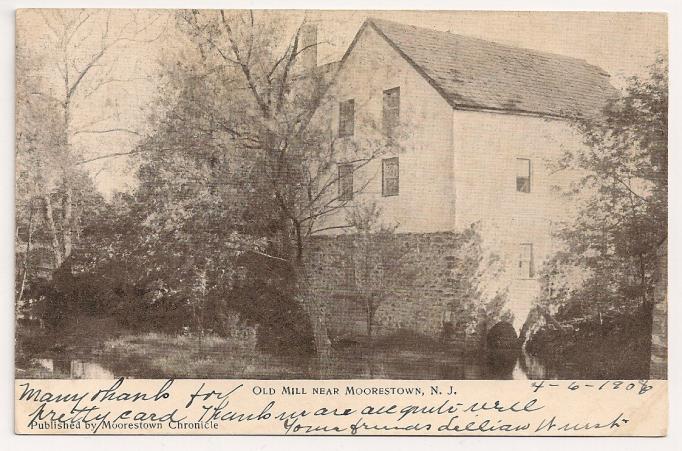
{"type": "Point", "coordinates": [71, 369]}
{"type": "Point", "coordinates": [341, 365]}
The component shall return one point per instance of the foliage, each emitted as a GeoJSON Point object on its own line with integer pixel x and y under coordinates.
{"type": "Point", "coordinates": [46, 208]}
{"type": "Point", "coordinates": [239, 132]}
{"type": "Point", "coordinates": [608, 267]}
{"type": "Point", "coordinates": [475, 267]}
{"type": "Point", "coordinates": [262, 98]}
{"type": "Point", "coordinates": [234, 176]}
{"type": "Point", "coordinates": [56, 196]}
{"type": "Point", "coordinates": [613, 346]}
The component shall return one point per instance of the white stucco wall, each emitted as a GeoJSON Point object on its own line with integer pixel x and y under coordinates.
{"type": "Point", "coordinates": [486, 146]}
{"type": "Point", "coordinates": [425, 202]}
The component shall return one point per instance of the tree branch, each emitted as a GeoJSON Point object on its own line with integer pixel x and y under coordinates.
{"type": "Point", "coordinates": [348, 226]}
{"type": "Point", "coordinates": [245, 68]}
{"type": "Point", "coordinates": [287, 68]}
{"type": "Point", "coordinates": [111, 130]}
{"type": "Point", "coordinates": [111, 155]}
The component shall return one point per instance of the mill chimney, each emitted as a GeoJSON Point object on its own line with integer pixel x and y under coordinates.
{"type": "Point", "coordinates": [308, 47]}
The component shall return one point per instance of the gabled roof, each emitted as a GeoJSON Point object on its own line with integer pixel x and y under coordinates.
{"type": "Point", "coordinates": [472, 73]}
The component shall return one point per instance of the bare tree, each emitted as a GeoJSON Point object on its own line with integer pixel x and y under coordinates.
{"type": "Point", "coordinates": [87, 46]}
{"type": "Point", "coordinates": [377, 259]}
{"type": "Point", "coordinates": [271, 100]}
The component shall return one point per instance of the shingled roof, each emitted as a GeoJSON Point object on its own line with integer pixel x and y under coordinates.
{"type": "Point", "coordinates": [472, 73]}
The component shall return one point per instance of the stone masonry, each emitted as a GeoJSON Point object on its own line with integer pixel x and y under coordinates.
{"type": "Point", "coordinates": [422, 283]}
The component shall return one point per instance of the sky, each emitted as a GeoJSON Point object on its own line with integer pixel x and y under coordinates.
{"type": "Point", "coordinates": [623, 44]}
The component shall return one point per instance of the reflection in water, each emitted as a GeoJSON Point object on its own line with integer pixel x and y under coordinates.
{"type": "Point", "coordinates": [501, 363]}
{"type": "Point", "coordinates": [45, 364]}
{"type": "Point", "coordinates": [89, 370]}
{"type": "Point", "coordinates": [348, 364]}
{"type": "Point", "coordinates": [532, 367]}
{"type": "Point", "coordinates": [73, 369]}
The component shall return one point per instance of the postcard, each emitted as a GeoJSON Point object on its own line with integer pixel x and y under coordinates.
{"type": "Point", "coordinates": [289, 222]}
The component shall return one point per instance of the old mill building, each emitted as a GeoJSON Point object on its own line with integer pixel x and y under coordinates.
{"type": "Point", "coordinates": [475, 124]}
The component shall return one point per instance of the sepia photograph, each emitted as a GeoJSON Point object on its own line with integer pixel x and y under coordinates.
{"type": "Point", "coordinates": [341, 195]}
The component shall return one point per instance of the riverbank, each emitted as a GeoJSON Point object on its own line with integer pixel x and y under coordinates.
{"type": "Point", "coordinates": [91, 352]}
{"type": "Point", "coordinates": [607, 347]}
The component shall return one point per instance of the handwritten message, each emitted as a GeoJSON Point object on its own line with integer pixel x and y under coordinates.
{"type": "Point", "coordinates": [341, 407]}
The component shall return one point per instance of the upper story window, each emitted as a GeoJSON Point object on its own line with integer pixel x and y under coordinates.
{"type": "Point", "coordinates": [390, 175]}
{"type": "Point", "coordinates": [391, 112]}
{"type": "Point", "coordinates": [347, 118]}
{"type": "Point", "coordinates": [526, 270]}
{"type": "Point", "coordinates": [523, 175]}
{"type": "Point", "coordinates": [345, 182]}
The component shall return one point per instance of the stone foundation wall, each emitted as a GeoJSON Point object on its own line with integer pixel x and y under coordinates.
{"type": "Point", "coordinates": [420, 283]}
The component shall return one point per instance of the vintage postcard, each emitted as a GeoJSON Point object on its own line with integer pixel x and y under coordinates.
{"type": "Point", "coordinates": [341, 222]}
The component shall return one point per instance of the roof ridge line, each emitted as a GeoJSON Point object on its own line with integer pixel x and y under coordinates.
{"type": "Point", "coordinates": [579, 99]}
{"type": "Point", "coordinates": [412, 63]}
{"type": "Point", "coordinates": [488, 41]}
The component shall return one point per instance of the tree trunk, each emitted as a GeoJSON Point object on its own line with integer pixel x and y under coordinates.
{"type": "Point", "coordinates": [315, 309]}
{"type": "Point", "coordinates": [370, 317]}
{"type": "Point", "coordinates": [67, 226]}
{"type": "Point", "coordinates": [285, 237]}
{"type": "Point", "coordinates": [299, 241]}
{"type": "Point", "coordinates": [642, 275]}
{"type": "Point", "coordinates": [26, 256]}
{"type": "Point", "coordinates": [292, 250]}
{"type": "Point", "coordinates": [370, 338]}
{"type": "Point", "coordinates": [323, 346]}
{"type": "Point", "coordinates": [49, 217]}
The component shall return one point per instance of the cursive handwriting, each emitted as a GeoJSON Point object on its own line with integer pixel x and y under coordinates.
{"type": "Point", "coordinates": [225, 406]}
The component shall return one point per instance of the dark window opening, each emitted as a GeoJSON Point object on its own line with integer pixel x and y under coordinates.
{"type": "Point", "coordinates": [391, 112]}
{"type": "Point", "coordinates": [390, 172]}
{"type": "Point", "coordinates": [345, 182]}
{"type": "Point", "coordinates": [523, 175]}
{"type": "Point", "coordinates": [526, 270]}
{"type": "Point", "coordinates": [347, 118]}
